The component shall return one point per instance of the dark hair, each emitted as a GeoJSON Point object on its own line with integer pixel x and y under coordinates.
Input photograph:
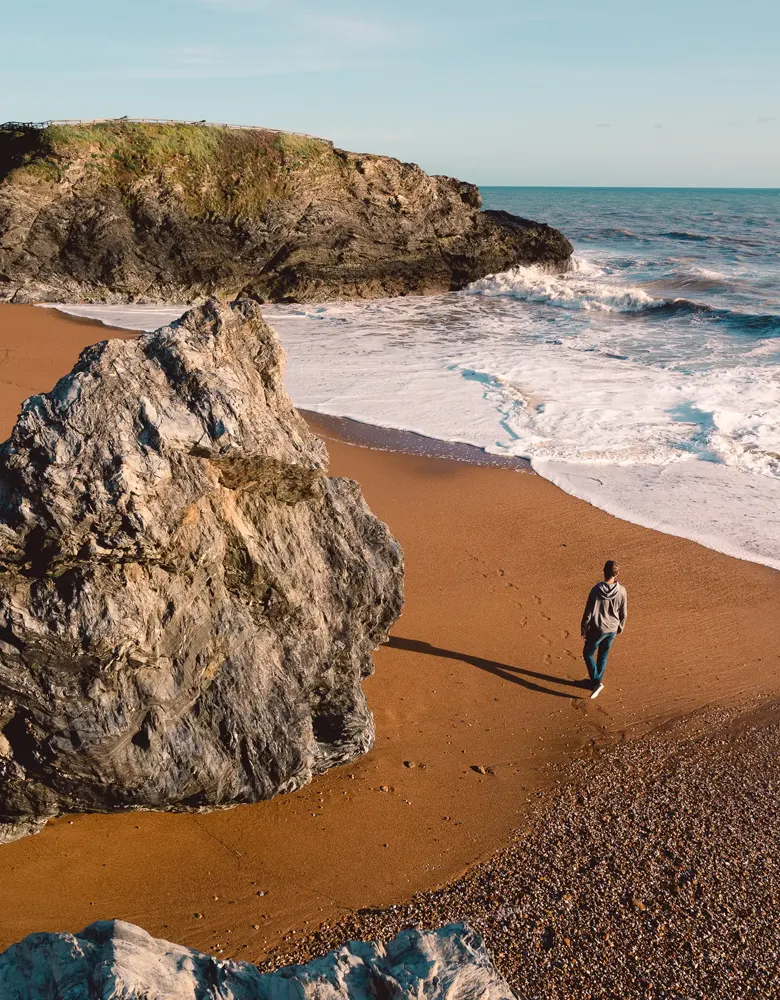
{"type": "Point", "coordinates": [611, 569]}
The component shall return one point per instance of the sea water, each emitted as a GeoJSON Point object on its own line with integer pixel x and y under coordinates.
{"type": "Point", "coordinates": [645, 380]}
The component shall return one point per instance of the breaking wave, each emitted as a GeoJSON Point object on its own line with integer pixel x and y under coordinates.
{"type": "Point", "coordinates": [584, 288]}
{"type": "Point", "coordinates": [686, 237]}
{"type": "Point", "coordinates": [576, 289]}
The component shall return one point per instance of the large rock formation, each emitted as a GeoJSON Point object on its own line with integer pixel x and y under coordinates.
{"type": "Point", "coordinates": [118, 960]}
{"type": "Point", "coordinates": [123, 212]}
{"type": "Point", "coordinates": [187, 602]}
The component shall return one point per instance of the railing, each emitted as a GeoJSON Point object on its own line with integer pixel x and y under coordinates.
{"type": "Point", "coordinates": [38, 126]}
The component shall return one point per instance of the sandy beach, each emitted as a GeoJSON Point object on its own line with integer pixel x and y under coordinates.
{"type": "Point", "coordinates": [483, 671]}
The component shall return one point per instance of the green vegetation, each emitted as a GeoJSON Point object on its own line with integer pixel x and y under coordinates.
{"type": "Point", "coordinates": [210, 170]}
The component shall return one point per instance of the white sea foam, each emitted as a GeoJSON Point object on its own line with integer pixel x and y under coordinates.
{"type": "Point", "coordinates": [720, 507]}
{"type": "Point", "coordinates": [695, 452]}
{"type": "Point", "coordinates": [582, 288]}
{"type": "Point", "coordinates": [123, 317]}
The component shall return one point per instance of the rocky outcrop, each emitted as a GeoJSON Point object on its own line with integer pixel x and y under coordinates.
{"type": "Point", "coordinates": [126, 211]}
{"type": "Point", "coordinates": [115, 959]}
{"type": "Point", "coordinates": [188, 603]}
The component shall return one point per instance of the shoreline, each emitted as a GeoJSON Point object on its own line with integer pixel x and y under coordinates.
{"type": "Point", "coordinates": [733, 507]}
{"type": "Point", "coordinates": [376, 438]}
{"type": "Point", "coordinates": [482, 670]}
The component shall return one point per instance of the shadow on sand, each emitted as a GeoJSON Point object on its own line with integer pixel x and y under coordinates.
{"type": "Point", "coordinates": [515, 674]}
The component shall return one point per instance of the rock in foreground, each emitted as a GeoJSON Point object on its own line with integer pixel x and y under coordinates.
{"type": "Point", "coordinates": [115, 959]}
{"type": "Point", "coordinates": [128, 211]}
{"type": "Point", "coordinates": [188, 603]}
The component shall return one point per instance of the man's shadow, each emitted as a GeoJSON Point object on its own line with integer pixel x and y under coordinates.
{"type": "Point", "coordinates": [503, 670]}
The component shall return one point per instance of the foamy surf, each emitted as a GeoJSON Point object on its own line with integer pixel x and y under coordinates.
{"type": "Point", "coordinates": [582, 288]}
{"type": "Point", "coordinates": [720, 507]}
{"type": "Point", "coordinates": [129, 316]}
{"type": "Point", "coordinates": [661, 408]}
{"type": "Point", "coordinates": [684, 455]}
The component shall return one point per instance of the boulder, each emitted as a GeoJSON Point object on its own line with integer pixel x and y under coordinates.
{"type": "Point", "coordinates": [188, 603]}
{"type": "Point", "coordinates": [115, 959]}
{"type": "Point", "coordinates": [126, 211]}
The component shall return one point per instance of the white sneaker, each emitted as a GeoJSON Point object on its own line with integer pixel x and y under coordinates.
{"type": "Point", "coordinates": [597, 691]}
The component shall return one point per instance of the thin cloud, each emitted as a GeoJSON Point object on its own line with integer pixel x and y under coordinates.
{"type": "Point", "coordinates": [197, 55]}
{"type": "Point", "coordinates": [223, 67]}
{"type": "Point", "coordinates": [603, 125]}
{"type": "Point", "coordinates": [340, 26]}
{"type": "Point", "coordinates": [309, 43]}
{"type": "Point", "coordinates": [764, 120]}
{"type": "Point", "coordinates": [354, 32]}
{"type": "Point", "coordinates": [236, 6]}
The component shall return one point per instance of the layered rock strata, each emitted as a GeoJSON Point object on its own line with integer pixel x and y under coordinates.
{"type": "Point", "coordinates": [126, 212]}
{"type": "Point", "coordinates": [116, 959]}
{"type": "Point", "coordinates": [188, 603]}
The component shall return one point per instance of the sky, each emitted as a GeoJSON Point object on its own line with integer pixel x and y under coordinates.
{"type": "Point", "coordinates": [526, 92]}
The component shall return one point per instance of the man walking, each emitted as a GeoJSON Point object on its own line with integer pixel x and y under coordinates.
{"type": "Point", "coordinates": [604, 618]}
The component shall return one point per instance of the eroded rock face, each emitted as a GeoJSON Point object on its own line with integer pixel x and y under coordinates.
{"type": "Point", "coordinates": [116, 959]}
{"type": "Point", "coordinates": [126, 212]}
{"type": "Point", "coordinates": [188, 603]}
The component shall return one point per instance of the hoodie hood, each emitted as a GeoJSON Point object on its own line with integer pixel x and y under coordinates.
{"type": "Point", "coordinates": [607, 590]}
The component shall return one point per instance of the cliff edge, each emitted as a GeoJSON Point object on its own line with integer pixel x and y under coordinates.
{"type": "Point", "coordinates": [128, 211]}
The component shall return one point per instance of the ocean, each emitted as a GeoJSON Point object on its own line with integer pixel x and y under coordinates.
{"type": "Point", "coordinates": [646, 380]}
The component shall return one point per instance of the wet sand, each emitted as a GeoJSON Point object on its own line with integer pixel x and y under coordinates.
{"type": "Point", "coordinates": [483, 669]}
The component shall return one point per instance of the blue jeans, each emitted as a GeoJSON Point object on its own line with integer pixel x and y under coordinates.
{"type": "Point", "coordinates": [596, 651]}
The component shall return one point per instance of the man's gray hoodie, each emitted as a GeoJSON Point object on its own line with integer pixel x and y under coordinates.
{"type": "Point", "coordinates": [606, 609]}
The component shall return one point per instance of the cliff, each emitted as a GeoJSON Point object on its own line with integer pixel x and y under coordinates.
{"type": "Point", "coordinates": [128, 211]}
{"type": "Point", "coordinates": [188, 603]}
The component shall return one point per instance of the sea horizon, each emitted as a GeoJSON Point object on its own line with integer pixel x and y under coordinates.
{"type": "Point", "coordinates": [630, 187]}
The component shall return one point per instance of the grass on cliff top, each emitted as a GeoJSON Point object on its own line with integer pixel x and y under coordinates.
{"type": "Point", "coordinates": [212, 170]}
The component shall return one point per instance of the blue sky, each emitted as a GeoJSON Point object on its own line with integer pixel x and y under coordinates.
{"type": "Point", "coordinates": [498, 92]}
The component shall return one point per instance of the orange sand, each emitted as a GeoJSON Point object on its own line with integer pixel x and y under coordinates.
{"type": "Point", "coordinates": [482, 669]}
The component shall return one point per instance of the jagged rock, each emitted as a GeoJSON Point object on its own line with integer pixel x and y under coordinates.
{"type": "Point", "coordinates": [125, 212]}
{"type": "Point", "coordinates": [115, 959]}
{"type": "Point", "coordinates": [187, 602]}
